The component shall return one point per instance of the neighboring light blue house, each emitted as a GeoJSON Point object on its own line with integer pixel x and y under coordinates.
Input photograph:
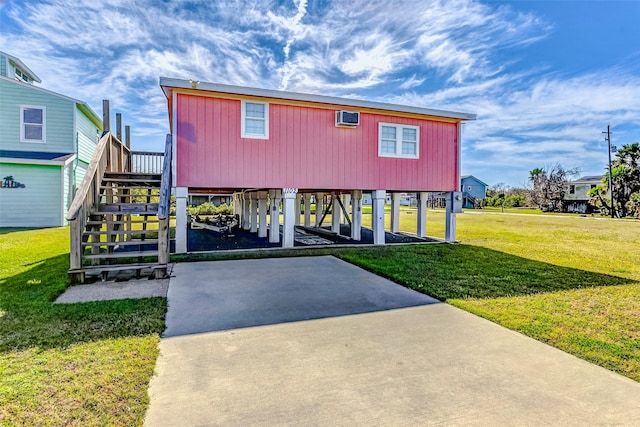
{"type": "Point", "coordinates": [575, 197]}
{"type": "Point", "coordinates": [46, 143]}
{"type": "Point", "coordinates": [473, 190]}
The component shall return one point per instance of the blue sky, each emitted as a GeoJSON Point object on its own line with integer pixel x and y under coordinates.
{"type": "Point", "coordinates": [544, 77]}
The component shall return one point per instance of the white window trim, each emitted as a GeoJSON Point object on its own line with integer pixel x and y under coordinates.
{"type": "Point", "coordinates": [243, 110]}
{"type": "Point", "coordinates": [44, 124]}
{"type": "Point", "coordinates": [398, 153]}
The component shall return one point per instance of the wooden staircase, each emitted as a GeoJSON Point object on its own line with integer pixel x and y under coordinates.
{"type": "Point", "coordinates": [119, 219]}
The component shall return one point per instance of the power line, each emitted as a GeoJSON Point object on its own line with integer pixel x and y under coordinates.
{"type": "Point", "coordinates": [608, 139]}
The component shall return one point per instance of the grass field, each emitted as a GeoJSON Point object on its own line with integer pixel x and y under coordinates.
{"type": "Point", "coordinates": [79, 364]}
{"type": "Point", "coordinates": [571, 282]}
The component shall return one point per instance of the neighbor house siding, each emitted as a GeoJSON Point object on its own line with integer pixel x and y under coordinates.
{"type": "Point", "coordinates": [36, 205]}
{"type": "Point", "coordinates": [580, 193]}
{"type": "Point", "coordinates": [478, 189]}
{"type": "Point", "coordinates": [3, 65]}
{"type": "Point", "coordinates": [80, 169]}
{"type": "Point", "coordinates": [306, 150]}
{"type": "Point", "coordinates": [59, 118]}
{"type": "Point", "coordinates": [87, 136]}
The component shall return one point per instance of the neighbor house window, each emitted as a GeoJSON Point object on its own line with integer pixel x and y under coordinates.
{"type": "Point", "coordinates": [398, 141]}
{"type": "Point", "coordinates": [255, 120]}
{"type": "Point", "coordinates": [32, 124]}
{"type": "Point", "coordinates": [572, 189]}
{"type": "Point", "coordinates": [21, 76]}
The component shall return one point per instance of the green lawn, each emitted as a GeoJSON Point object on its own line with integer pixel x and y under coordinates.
{"type": "Point", "coordinates": [569, 281]}
{"type": "Point", "coordinates": [80, 364]}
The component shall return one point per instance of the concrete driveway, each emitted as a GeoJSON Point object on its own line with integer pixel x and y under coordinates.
{"type": "Point", "coordinates": [317, 341]}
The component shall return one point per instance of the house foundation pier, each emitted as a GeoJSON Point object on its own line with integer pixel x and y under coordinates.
{"type": "Point", "coordinates": [377, 217]}
{"type": "Point", "coordinates": [289, 202]}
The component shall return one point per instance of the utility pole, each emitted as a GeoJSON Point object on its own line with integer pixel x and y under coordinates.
{"type": "Point", "coordinates": [608, 139]}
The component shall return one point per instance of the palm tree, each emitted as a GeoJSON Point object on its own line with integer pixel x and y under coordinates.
{"type": "Point", "coordinates": [537, 177]}
{"type": "Point", "coordinates": [534, 174]}
{"type": "Point", "coordinates": [626, 176]}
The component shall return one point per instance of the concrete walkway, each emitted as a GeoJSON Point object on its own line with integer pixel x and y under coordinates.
{"type": "Point", "coordinates": [238, 351]}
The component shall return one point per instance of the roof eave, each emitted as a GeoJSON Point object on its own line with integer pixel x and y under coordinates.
{"type": "Point", "coordinates": [168, 83]}
{"type": "Point", "coordinates": [23, 66]}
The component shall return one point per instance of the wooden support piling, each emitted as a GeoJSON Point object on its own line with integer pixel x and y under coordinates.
{"type": "Point", "coordinates": [106, 122]}
{"type": "Point", "coordinates": [127, 136]}
{"type": "Point", "coordinates": [119, 126]}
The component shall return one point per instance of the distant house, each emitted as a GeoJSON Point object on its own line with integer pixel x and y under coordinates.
{"type": "Point", "coordinates": [576, 199]}
{"type": "Point", "coordinates": [473, 191]}
{"type": "Point", "coordinates": [46, 142]}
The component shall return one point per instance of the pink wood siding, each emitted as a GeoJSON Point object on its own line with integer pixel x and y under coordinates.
{"type": "Point", "coordinates": [305, 150]}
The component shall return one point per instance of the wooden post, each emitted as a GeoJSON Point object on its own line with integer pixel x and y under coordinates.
{"type": "Point", "coordinates": [422, 214]}
{"type": "Point", "coordinates": [262, 212]}
{"type": "Point", "coordinates": [395, 212]}
{"type": "Point", "coordinates": [289, 199]}
{"type": "Point", "coordinates": [253, 212]}
{"type": "Point", "coordinates": [377, 219]}
{"type": "Point", "coordinates": [319, 209]}
{"type": "Point", "coordinates": [163, 247]}
{"type": "Point", "coordinates": [297, 208]}
{"type": "Point", "coordinates": [119, 126]}
{"type": "Point", "coordinates": [336, 213]}
{"type": "Point", "coordinates": [356, 215]}
{"type": "Point", "coordinates": [76, 248]}
{"type": "Point", "coordinates": [450, 218]}
{"type": "Point", "coordinates": [127, 136]}
{"type": "Point", "coordinates": [106, 123]}
{"type": "Point", "coordinates": [307, 209]}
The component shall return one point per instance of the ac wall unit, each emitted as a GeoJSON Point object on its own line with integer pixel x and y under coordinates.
{"type": "Point", "coordinates": [347, 118]}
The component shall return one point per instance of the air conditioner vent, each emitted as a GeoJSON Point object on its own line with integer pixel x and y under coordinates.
{"type": "Point", "coordinates": [347, 118]}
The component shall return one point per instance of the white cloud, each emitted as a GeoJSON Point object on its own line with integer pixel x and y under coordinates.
{"type": "Point", "coordinates": [437, 54]}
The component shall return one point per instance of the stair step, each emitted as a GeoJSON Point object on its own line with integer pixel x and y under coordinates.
{"type": "Point", "coordinates": [131, 177]}
{"type": "Point", "coordinates": [123, 254]}
{"type": "Point", "coordinates": [141, 183]}
{"type": "Point", "coordinates": [117, 267]}
{"type": "Point", "coordinates": [124, 243]}
{"type": "Point", "coordinates": [128, 187]}
{"type": "Point", "coordinates": [117, 232]}
{"type": "Point", "coordinates": [131, 174]}
{"type": "Point", "coordinates": [144, 221]}
{"type": "Point", "coordinates": [127, 207]}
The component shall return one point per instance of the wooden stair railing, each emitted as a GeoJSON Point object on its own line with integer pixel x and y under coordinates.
{"type": "Point", "coordinates": [106, 199]}
{"type": "Point", "coordinates": [164, 206]}
{"type": "Point", "coordinates": [110, 155]}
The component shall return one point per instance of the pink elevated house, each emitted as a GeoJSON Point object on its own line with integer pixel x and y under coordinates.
{"type": "Point", "coordinates": [269, 147]}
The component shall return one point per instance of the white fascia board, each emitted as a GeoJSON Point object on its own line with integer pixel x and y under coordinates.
{"type": "Point", "coordinates": [166, 82]}
{"type": "Point", "coordinates": [37, 161]}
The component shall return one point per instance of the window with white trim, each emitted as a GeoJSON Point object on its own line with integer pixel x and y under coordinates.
{"type": "Point", "coordinates": [33, 124]}
{"type": "Point", "coordinates": [398, 141]}
{"type": "Point", "coordinates": [255, 120]}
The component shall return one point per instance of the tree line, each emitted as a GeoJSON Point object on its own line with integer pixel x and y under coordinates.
{"type": "Point", "coordinates": [546, 187]}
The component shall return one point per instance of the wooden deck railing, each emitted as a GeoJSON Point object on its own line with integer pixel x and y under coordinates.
{"type": "Point", "coordinates": [146, 162]}
{"type": "Point", "coordinates": [164, 206]}
{"type": "Point", "coordinates": [111, 155]}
